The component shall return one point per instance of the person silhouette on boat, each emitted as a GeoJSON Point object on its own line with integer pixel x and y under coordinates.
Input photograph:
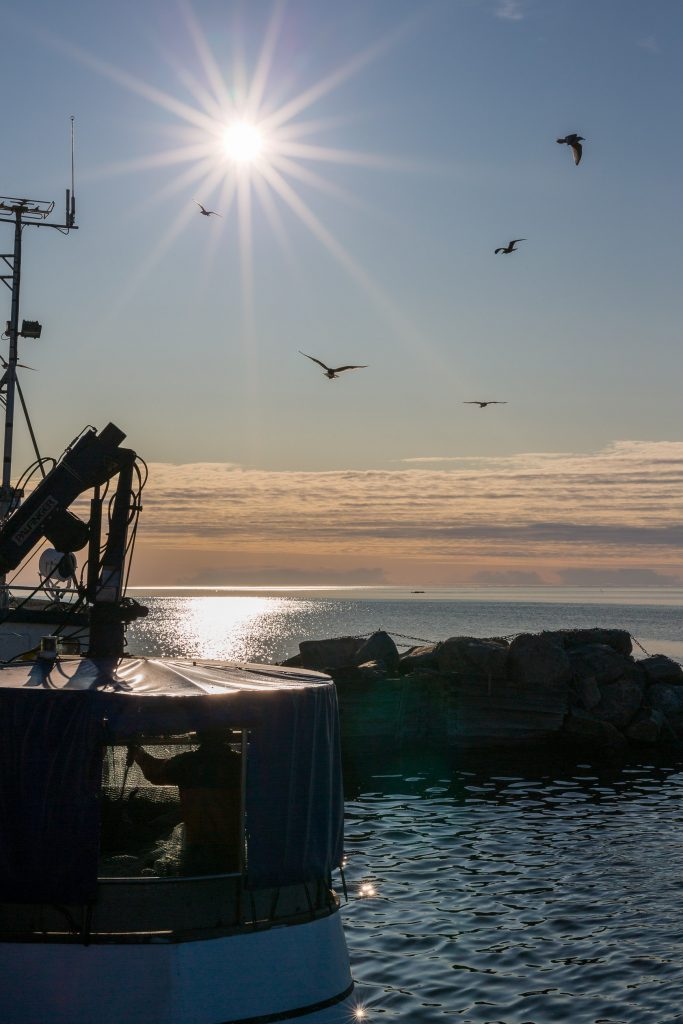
{"type": "Point", "coordinates": [209, 788]}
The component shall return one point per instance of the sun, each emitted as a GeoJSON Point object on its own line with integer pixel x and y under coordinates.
{"type": "Point", "coordinates": [243, 142]}
{"type": "Point", "coordinates": [247, 148]}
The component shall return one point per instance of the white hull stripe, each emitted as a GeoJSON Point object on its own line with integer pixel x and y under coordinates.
{"type": "Point", "coordinates": [301, 1011]}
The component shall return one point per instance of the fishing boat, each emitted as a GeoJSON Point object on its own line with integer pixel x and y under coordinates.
{"type": "Point", "coordinates": [168, 828]}
{"type": "Point", "coordinates": [54, 602]}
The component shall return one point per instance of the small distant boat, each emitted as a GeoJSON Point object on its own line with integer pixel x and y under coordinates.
{"type": "Point", "coordinates": [417, 591]}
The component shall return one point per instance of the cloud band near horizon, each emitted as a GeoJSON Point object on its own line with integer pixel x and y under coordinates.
{"type": "Point", "coordinates": [620, 507]}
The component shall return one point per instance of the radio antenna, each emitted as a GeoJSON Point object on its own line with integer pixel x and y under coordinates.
{"type": "Point", "coordinates": [71, 193]}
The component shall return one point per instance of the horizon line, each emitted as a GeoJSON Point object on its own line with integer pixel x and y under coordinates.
{"type": "Point", "coordinates": [423, 588]}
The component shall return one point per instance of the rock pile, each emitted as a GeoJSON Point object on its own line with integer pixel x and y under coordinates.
{"type": "Point", "coordinates": [583, 685]}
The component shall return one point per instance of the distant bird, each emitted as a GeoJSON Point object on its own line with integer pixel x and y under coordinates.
{"type": "Point", "coordinates": [208, 213]}
{"type": "Point", "coordinates": [482, 405]}
{"type": "Point", "coordinates": [574, 141]}
{"type": "Point", "coordinates": [331, 373]}
{"type": "Point", "coordinates": [510, 247]}
{"type": "Point", "coordinates": [5, 364]}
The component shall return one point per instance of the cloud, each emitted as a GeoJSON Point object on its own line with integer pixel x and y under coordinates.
{"type": "Point", "coordinates": [508, 578]}
{"type": "Point", "coordinates": [620, 506]}
{"type": "Point", "coordinates": [511, 10]}
{"type": "Point", "coordinates": [648, 43]}
{"type": "Point", "coordinates": [282, 576]}
{"type": "Point", "coordinates": [587, 577]}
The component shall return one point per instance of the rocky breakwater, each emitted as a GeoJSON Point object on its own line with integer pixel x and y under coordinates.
{"type": "Point", "coordinates": [581, 686]}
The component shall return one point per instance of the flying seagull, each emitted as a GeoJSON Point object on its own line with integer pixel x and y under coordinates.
{"type": "Point", "coordinates": [329, 372]}
{"type": "Point", "coordinates": [574, 141]}
{"type": "Point", "coordinates": [5, 364]}
{"type": "Point", "coordinates": [208, 213]}
{"type": "Point", "coordinates": [482, 405]}
{"type": "Point", "coordinates": [510, 247]}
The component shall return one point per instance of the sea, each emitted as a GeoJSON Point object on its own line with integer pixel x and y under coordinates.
{"type": "Point", "coordinates": [506, 888]}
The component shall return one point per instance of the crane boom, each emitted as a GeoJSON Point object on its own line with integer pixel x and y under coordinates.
{"type": "Point", "coordinates": [93, 460]}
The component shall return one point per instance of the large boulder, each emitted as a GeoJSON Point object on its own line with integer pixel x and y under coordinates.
{"type": "Point", "coordinates": [599, 661]}
{"type": "Point", "coordinates": [378, 647]}
{"type": "Point", "coordinates": [339, 652]}
{"type": "Point", "coordinates": [660, 669]}
{"type": "Point", "coordinates": [419, 658]}
{"type": "Point", "coordinates": [586, 693]}
{"type": "Point", "coordinates": [618, 639]}
{"type": "Point", "coordinates": [646, 726]}
{"type": "Point", "coordinates": [668, 699]}
{"type": "Point", "coordinates": [537, 661]}
{"type": "Point", "coordinates": [620, 702]}
{"type": "Point", "coordinates": [470, 656]}
{"type": "Point", "coordinates": [344, 652]}
{"type": "Point", "coordinates": [582, 728]}
{"type": "Point", "coordinates": [370, 671]}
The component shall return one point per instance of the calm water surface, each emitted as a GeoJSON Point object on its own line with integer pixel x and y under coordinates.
{"type": "Point", "coordinates": [516, 893]}
{"type": "Point", "coordinates": [510, 890]}
{"type": "Point", "coordinates": [268, 626]}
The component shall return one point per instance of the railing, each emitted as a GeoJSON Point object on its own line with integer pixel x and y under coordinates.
{"type": "Point", "coordinates": [167, 909]}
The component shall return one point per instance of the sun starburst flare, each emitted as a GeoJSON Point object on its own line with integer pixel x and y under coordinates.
{"type": "Point", "coordinates": [238, 147]}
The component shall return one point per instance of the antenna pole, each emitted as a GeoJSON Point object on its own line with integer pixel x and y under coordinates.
{"type": "Point", "coordinates": [6, 490]}
{"type": "Point", "coordinates": [71, 212]}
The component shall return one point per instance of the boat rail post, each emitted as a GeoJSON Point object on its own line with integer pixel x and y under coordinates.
{"type": "Point", "coordinates": [244, 735]}
{"type": "Point", "coordinates": [86, 923]}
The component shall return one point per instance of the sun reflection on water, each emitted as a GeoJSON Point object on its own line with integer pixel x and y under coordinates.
{"type": "Point", "coordinates": [225, 626]}
{"type": "Point", "coordinates": [230, 628]}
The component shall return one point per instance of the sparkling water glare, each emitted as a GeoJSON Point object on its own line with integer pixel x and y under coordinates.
{"type": "Point", "coordinates": [268, 626]}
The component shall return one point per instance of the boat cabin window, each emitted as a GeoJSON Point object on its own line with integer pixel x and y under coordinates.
{"type": "Point", "coordinates": [173, 806]}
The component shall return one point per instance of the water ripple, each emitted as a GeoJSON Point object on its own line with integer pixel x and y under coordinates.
{"type": "Point", "coordinates": [539, 896]}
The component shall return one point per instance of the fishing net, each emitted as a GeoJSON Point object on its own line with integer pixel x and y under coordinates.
{"type": "Point", "coordinates": [141, 829]}
{"type": "Point", "coordinates": [174, 808]}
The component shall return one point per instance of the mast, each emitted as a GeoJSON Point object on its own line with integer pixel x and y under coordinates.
{"type": "Point", "coordinates": [6, 492]}
{"type": "Point", "coordinates": [23, 213]}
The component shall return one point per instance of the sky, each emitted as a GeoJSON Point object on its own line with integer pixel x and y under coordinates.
{"type": "Point", "coordinates": [401, 143]}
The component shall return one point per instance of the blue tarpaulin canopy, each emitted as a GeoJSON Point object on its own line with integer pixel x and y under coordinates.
{"type": "Point", "coordinates": [56, 717]}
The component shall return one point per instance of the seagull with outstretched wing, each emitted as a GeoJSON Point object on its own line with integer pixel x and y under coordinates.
{"type": "Point", "coordinates": [574, 141]}
{"type": "Point", "coordinates": [5, 364]}
{"type": "Point", "coordinates": [510, 247]}
{"type": "Point", "coordinates": [482, 405]}
{"type": "Point", "coordinates": [330, 372]}
{"type": "Point", "coordinates": [207, 213]}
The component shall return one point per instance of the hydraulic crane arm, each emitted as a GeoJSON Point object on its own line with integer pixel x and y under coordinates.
{"type": "Point", "coordinates": [92, 460]}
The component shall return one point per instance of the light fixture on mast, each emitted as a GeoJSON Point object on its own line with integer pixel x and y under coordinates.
{"type": "Point", "coordinates": [30, 329]}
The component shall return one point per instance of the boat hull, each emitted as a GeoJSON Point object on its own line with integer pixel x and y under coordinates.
{"type": "Point", "coordinates": [277, 974]}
